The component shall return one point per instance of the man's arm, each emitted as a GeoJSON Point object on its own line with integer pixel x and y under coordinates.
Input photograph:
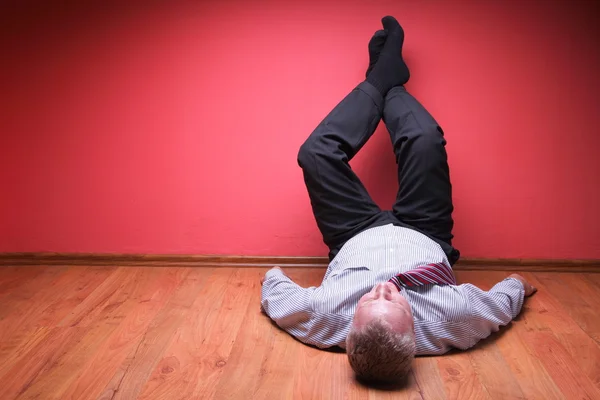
{"type": "Point", "coordinates": [287, 304]}
{"type": "Point", "coordinates": [290, 306]}
{"type": "Point", "coordinates": [496, 307]}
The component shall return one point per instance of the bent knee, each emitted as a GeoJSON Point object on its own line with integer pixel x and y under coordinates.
{"type": "Point", "coordinates": [431, 137]}
{"type": "Point", "coordinates": [313, 146]}
{"type": "Point", "coordinates": [306, 153]}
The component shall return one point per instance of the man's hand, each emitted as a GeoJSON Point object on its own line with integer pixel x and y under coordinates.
{"type": "Point", "coordinates": [263, 278]}
{"type": "Point", "coordinates": [529, 289]}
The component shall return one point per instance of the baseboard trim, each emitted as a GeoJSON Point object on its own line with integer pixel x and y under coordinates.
{"type": "Point", "coordinates": [111, 259]}
{"type": "Point", "coordinates": [488, 264]}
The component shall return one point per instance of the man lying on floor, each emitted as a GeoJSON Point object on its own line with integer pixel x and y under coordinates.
{"type": "Point", "coordinates": [389, 292]}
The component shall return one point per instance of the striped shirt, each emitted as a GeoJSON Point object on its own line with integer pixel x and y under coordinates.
{"type": "Point", "coordinates": [445, 317]}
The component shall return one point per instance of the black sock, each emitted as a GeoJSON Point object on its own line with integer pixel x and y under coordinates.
{"type": "Point", "coordinates": [390, 69]}
{"type": "Point", "coordinates": [375, 46]}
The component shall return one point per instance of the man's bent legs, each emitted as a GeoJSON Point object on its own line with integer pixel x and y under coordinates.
{"type": "Point", "coordinates": [340, 203]}
{"type": "Point", "coordinates": [424, 199]}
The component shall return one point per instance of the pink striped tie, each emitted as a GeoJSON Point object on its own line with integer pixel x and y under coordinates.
{"type": "Point", "coordinates": [430, 274]}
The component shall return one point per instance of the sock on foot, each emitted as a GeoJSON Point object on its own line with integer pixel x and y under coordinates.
{"type": "Point", "coordinates": [375, 46]}
{"type": "Point", "coordinates": [390, 70]}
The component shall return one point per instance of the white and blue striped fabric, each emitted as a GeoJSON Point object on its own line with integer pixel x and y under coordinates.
{"type": "Point", "coordinates": [446, 317]}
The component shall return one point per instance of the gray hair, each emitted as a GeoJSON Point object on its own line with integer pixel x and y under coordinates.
{"type": "Point", "coordinates": [378, 354]}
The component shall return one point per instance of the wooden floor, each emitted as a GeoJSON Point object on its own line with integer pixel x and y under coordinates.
{"type": "Point", "coordinates": [198, 333]}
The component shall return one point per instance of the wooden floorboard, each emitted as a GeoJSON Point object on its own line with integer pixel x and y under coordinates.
{"type": "Point", "coordinates": [97, 332]}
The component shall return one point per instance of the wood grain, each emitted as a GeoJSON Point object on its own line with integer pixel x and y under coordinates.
{"type": "Point", "coordinates": [123, 333]}
{"type": "Point", "coordinates": [40, 359]}
{"type": "Point", "coordinates": [18, 346]}
{"type": "Point", "coordinates": [593, 278]}
{"type": "Point", "coordinates": [53, 382]}
{"type": "Point", "coordinates": [460, 378]}
{"type": "Point", "coordinates": [563, 368]}
{"type": "Point", "coordinates": [129, 379]}
{"type": "Point", "coordinates": [427, 377]}
{"type": "Point", "coordinates": [494, 373]}
{"type": "Point", "coordinates": [99, 368]}
{"type": "Point", "coordinates": [17, 301]}
{"type": "Point", "coordinates": [280, 366]}
{"type": "Point", "coordinates": [252, 347]}
{"type": "Point", "coordinates": [193, 363]}
{"type": "Point", "coordinates": [14, 278]}
{"type": "Point", "coordinates": [582, 349]}
{"type": "Point", "coordinates": [577, 297]}
{"type": "Point", "coordinates": [525, 367]}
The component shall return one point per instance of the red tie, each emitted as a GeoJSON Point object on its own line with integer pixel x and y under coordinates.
{"type": "Point", "coordinates": [430, 274]}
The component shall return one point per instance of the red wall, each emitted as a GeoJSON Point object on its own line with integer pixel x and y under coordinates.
{"type": "Point", "coordinates": [173, 127]}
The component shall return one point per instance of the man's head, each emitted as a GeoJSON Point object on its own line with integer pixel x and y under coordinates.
{"type": "Point", "coordinates": [381, 341]}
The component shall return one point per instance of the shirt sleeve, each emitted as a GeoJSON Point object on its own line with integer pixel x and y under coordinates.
{"type": "Point", "coordinates": [290, 306]}
{"type": "Point", "coordinates": [287, 304]}
{"type": "Point", "coordinates": [494, 308]}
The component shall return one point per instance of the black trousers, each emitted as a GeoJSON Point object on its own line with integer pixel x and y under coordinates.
{"type": "Point", "coordinates": [340, 202]}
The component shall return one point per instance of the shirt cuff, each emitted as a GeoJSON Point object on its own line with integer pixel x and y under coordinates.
{"type": "Point", "coordinates": [373, 93]}
{"type": "Point", "coordinates": [518, 281]}
{"type": "Point", "coordinates": [513, 284]}
{"type": "Point", "coordinates": [275, 272]}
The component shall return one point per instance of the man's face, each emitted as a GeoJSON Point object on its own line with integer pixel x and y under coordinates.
{"type": "Point", "coordinates": [384, 301]}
